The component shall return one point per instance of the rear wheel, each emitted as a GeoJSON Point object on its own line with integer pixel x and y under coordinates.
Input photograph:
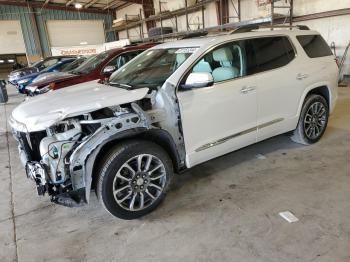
{"type": "Point", "coordinates": [313, 120]}
{"type": "Point", "coordinates": [134, 178]}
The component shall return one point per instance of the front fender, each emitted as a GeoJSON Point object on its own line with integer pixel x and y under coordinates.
{"type": "Point", "coordinates": [90, 160]}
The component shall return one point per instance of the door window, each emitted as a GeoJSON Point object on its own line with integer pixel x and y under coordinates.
{"type": "Point", "coordinates": [272, 53]}
{"type": "Point", "coordinates": [225, 62]}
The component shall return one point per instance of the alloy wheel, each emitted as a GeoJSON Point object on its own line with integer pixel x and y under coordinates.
{"type": "Point", "coordinates": [315, 120]}
{"type": "Point", "coordinates": [139, 182]}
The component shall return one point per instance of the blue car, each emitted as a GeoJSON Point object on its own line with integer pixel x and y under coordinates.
{"type": "Point", "coordinates": [34, 68]}
{"type": "Point", "coordinates": [22, 82]}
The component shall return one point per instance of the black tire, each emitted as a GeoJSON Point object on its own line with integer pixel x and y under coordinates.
{"type": "Point", "coordinates": [304, 134]}
{"type": "Point", "coordinates": [115, 169]}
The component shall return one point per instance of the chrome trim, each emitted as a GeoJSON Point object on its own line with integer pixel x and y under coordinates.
{"type": "Point", "coordinates": [270, 123]}
{"type": "Point", "coordinates": [225, 139]}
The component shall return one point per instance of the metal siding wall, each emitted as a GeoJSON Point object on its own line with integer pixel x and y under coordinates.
{"type": "Point", "coordinates": [8, 12]}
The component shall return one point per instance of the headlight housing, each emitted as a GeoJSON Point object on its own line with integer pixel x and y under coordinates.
{"type": "Point", "coordinates": [31, 89]}
{"type": "Point", "coordinates": [23, 81]}
{"type": "Point", "coordinates": [43, 90]}
{"type": "Point", "coordinates": [34, 90]}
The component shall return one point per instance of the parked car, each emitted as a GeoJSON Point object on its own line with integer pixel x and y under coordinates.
{"type": "Point", "coordinates": [36, 67]}
{"type": "Point", "coordinates": [22, 82]}
{"type": "Point", "coordinates": [63, 71]}
{"type": "Point", "coordinates": [173, 107]}
{"type": "Point", "coordinates": [100, 66]}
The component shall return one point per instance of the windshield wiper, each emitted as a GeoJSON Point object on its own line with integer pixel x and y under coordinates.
{"type": "Point", "coordinates": [76, 72]}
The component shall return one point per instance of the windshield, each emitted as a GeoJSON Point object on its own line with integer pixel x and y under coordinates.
{"type": "Point", "coordinates": [90, 64]}
{"type": "Point", "coordinates": [75, 64]}
{"type": "Point", "coordinates": [151, 68]}
{"type": "Point", "coordinates": [37, 64]}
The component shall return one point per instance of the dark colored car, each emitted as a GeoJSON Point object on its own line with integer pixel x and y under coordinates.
{"type": "Point", "coordinates": [63, 70]}
{"type": "Point", "coordinates": [100, 66]}
{"type": "Point", "coordinates": [34, 68]}
{"type": "Point", "coordinates": [27, 79]}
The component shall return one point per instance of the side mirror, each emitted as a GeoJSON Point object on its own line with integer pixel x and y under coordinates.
{"type": "Point", "coordinates": [198, 79]}
{"type": "Point", "coordinates": [108, 70]}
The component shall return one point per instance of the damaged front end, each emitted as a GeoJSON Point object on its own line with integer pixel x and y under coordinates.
{"type": "Point", "coordinates": [61, 159]}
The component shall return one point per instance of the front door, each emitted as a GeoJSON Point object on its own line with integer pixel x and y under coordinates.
{"type": "Point", "coordinates": [220, 118]}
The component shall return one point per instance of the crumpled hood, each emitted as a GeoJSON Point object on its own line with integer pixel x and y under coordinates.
{"type": "Point", "coordinates": [41, 112]}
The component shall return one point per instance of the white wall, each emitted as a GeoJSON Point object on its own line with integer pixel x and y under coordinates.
{"type": "Point", "coordinates": [334, 29]}
{"type": "Point", "coordinates": [303, 7]}
{"type": "Point", "coordinates": [75, 32]}
{"type": "Point", "coordinates": [11, 38]}
{"type": "Point", "coordinates": [131, 10]}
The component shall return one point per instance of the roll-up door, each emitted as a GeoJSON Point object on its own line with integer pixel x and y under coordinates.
{"type": "Point", "coordinates": [75, 32]}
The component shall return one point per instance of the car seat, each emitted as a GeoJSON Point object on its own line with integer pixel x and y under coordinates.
{"type": "Point", "coordinates": [180, 58]}
{"type": "Point", "coordinates": [226, 70]}
{"type": "Point", "coordinates": [202, 66]}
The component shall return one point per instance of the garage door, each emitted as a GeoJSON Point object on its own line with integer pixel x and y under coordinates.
{"type": "Point", "coordinates": [75, 32]}
{"type": "Point", "coordinates": [11, 37]}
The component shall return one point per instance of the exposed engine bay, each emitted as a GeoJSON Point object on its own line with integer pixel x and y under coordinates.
{"type": "Point", "coordinates": [61, 159]}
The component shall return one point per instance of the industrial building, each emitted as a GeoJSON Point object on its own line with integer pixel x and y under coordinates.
{"type": "Point", "coordinates": [237, 110]}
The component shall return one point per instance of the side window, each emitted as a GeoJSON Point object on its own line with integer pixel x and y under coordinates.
{"type": "Point", "coordinates": [61, 66]}
{"type": "Point", "coordinates": [272, 53]}
{"type": "Point", "coordinates": [224, 62]}
{"type": "Point", "coordinates": [122, 59]}
{"type": "Point", "coordinates": [48, 63]}
{"type": "Point", "coordinates": [314, 45]}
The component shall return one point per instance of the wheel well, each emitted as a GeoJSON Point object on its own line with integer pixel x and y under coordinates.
{"type": "Point", "coordinates": [322, 91]}
{"type": "Point", "coordinates": [159, 137]}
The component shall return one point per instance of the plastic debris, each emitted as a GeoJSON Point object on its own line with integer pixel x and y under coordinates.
{"type": "Point", "coordinates": [260, 156]}
{"type": "Point", "coordinates": [287, 215]}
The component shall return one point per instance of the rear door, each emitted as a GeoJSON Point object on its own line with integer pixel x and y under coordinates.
{"type": "Point", "coordinates": [319, 67]}
{"type": "Point", "coordinates": [278, 89]}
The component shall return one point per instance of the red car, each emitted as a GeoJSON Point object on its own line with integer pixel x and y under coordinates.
{"type": "Point", "coordinates": [99, 66]}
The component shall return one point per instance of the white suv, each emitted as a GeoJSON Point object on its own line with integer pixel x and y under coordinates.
{"type": "Point", "coordinates": [172, 107]}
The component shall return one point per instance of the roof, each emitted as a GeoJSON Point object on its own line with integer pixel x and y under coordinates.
{"type": "Point", "coordinates": [86, 4]}
{"type": "Point", "coordinates": [217, 39]}
{"type": "Point", "coordinates": [130, 47]}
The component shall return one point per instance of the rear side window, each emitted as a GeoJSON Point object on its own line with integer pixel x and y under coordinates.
{"type": "Point", "coordinates": [271, 53]}
{"type": "Point", "coordinates": [314, 45]}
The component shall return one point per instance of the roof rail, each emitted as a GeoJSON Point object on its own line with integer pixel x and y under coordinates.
{"type": "Point", "coordinates": [195, 34]}
{"type": "Point", "coordinates": [249, 28]}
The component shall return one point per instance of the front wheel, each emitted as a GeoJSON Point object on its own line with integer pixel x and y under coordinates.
{"type": "Point", "coordinates": [134, 178]}
{"type": "Point", "coordinates": [313, 120]}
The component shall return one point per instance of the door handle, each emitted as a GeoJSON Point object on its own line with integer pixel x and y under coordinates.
{"type": "Point", "coordinates": [301, 76]}
{"type": "Point", "coordinates": [247, 89]}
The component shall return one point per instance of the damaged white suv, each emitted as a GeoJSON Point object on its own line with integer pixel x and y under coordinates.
{"type": "Point", "coordinates": [172, 107]}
